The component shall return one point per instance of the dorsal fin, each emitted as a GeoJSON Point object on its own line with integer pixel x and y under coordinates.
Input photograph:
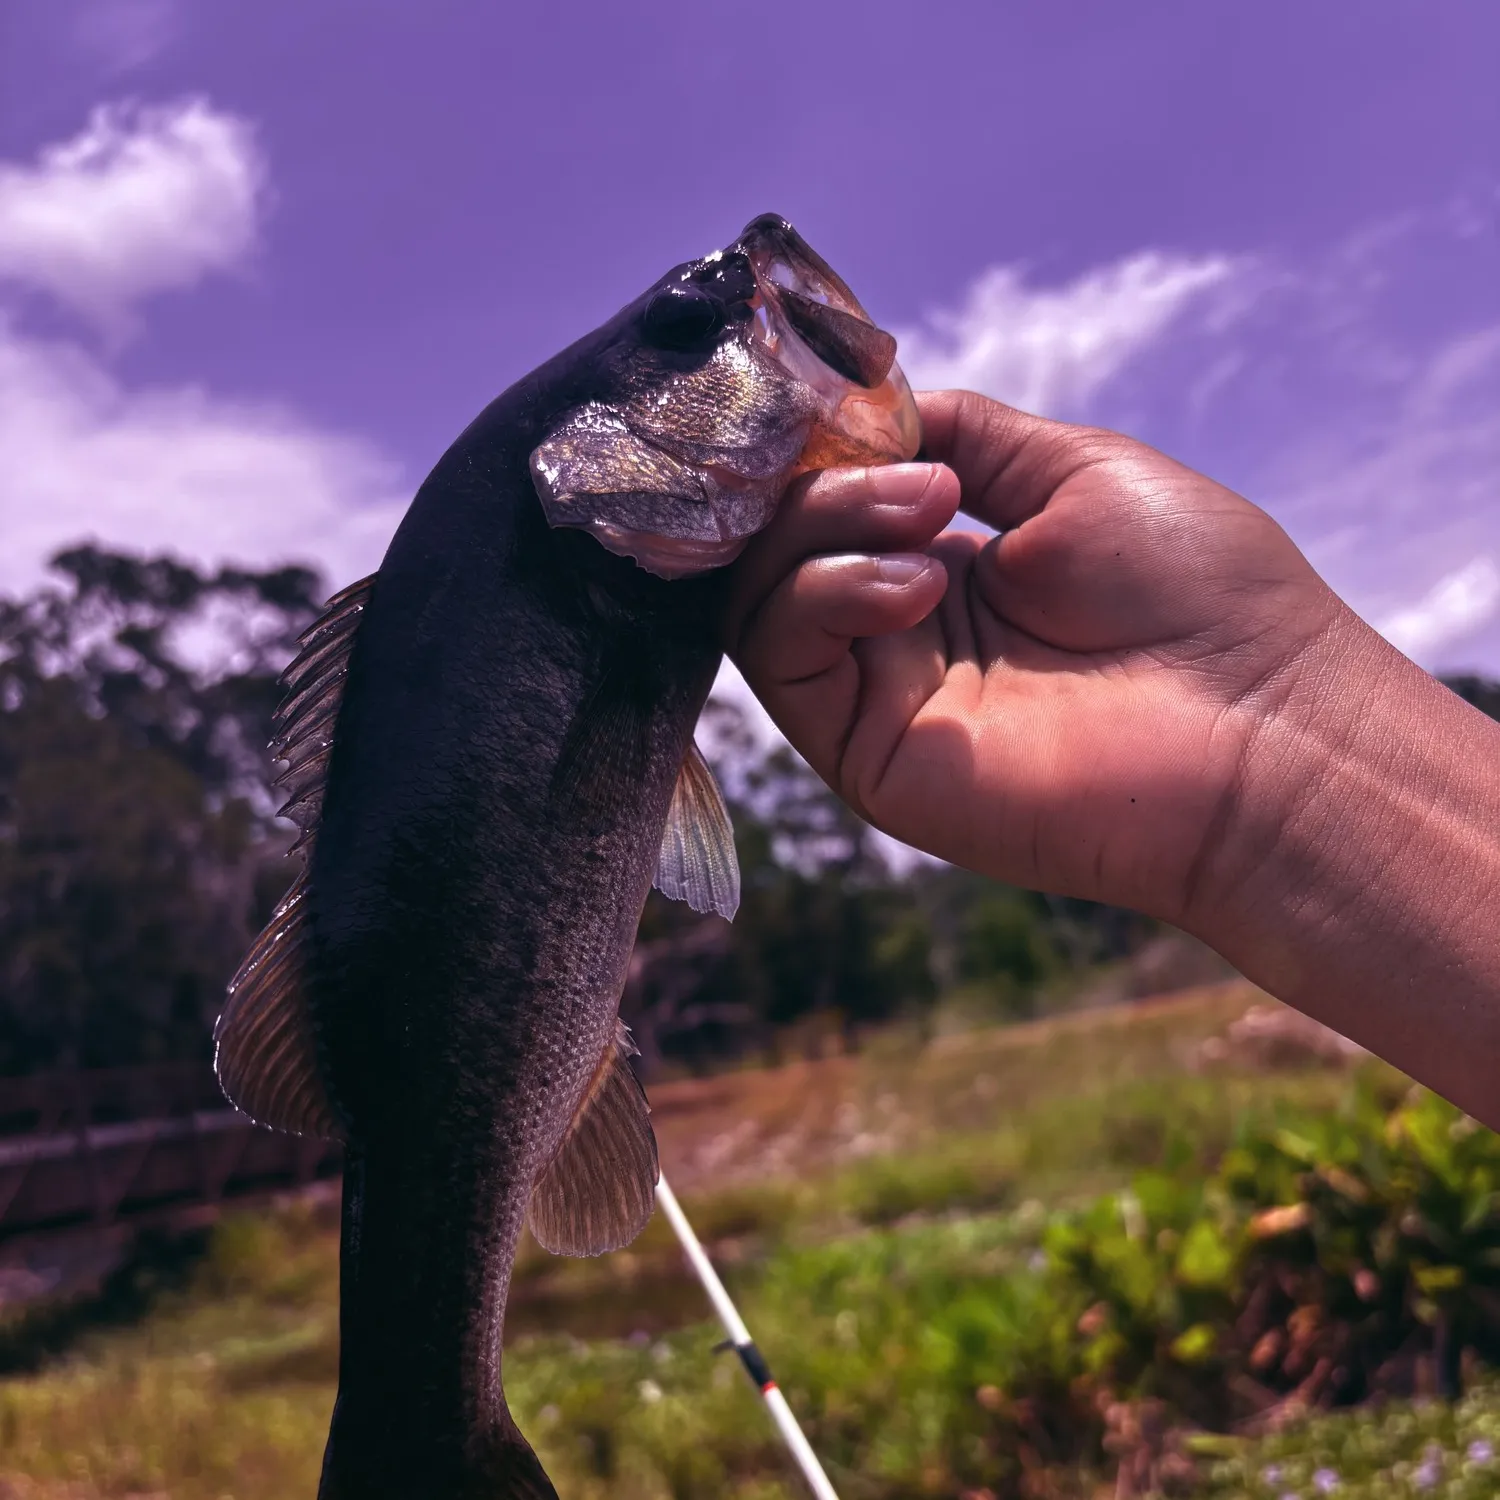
{"type": "Point", "coordinates": [698, 863]}
{"type": "Point", "coordinates": [303, 724]}
{"type": "Point", "coordinates": [265, 1048]}
{"type": "Point", "coordinates": [600, 1188]}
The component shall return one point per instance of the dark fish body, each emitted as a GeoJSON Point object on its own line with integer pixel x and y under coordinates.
{"type": "Point", "coordinates": [444, 869]}
{"type": "Point", "coordinates": [514, 707]}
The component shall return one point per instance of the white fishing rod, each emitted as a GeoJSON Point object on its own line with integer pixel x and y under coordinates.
{"type": "Point", "coordinates": [744, 1346]}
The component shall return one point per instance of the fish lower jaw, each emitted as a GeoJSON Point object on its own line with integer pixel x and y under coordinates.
{"type": "Point", "coordinates": [667, 556]}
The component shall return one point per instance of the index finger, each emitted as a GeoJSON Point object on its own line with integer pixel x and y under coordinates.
{"type": "Point", "coordinates": [897, 508]}
{"type": "Point", "coordinates": [1008, 462]}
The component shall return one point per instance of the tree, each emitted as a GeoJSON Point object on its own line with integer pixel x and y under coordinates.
{"type": "Point", "coordinates": [824, 929]}
{"type": "Point", "coordinates": [1482, 692]}
{"type": "Point", "coordinates": [186, 662]}
{"type": "Point", "coordinates": [138, 847]}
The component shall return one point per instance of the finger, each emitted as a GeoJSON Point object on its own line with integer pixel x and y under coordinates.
{"type": "Point", "coordinates": [958, 551]}
{"type": "Point", "coordinates": [1008, 462]}
{"type": "Point", "coordinates": [809, 620]}
{"type": "Point", "coordinates": [1081, 581]}
{"type": "Point", "coordinates": [796, 653]}
{"type": "Point", "coordinates": [900, 672]}
{"type": "Point", "coordinates": [1127, 558]}
{"type": "Point", "coordinates": [896, 508]}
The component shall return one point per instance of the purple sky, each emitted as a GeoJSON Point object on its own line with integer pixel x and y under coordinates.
{"type": "Point", "coordinates": [244, 308]}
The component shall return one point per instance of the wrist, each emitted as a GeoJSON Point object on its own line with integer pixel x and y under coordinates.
{"type": "Point", "coordinates": [1317, 728]}
{"type": "Point", "coordinates": [1356, 872]}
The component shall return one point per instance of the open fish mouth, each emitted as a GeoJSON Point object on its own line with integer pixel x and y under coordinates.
{"type": "Point", "coordinates": [806, 318]}
{"type": "Point", "coordinates": [784, 373]}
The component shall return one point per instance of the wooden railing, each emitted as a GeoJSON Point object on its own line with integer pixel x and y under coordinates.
{"type": "Point", "coordinates": [121, 1146]}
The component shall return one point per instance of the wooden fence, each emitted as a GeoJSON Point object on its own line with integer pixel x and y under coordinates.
{"type": "Point", "coordinates": [121, 1147]}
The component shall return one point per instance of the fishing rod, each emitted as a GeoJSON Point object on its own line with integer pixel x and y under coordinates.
{"type": "Point", "coordinates": [744, 1346]}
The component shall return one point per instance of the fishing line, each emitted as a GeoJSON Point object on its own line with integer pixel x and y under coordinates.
{"type": "Point", "coordinates": [744, 1346]}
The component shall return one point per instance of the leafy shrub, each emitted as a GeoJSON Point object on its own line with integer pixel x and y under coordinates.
{"type": "Point", "coordinates": [1326, 1259]}
{"type": "Point", "coordinates": [1437, 1449]}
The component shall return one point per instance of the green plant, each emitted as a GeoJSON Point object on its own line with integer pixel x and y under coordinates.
{"type": "Point", "coordinates": [1327, 1259]}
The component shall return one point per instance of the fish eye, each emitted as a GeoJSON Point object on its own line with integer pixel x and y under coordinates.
{"type": "Point", "coordinates": [682, 317]}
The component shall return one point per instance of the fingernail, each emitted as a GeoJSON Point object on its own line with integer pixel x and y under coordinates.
{"type": "Point", "coordinates": [902, 484]}
{"type": "Point", "coordinates": [901, 570]}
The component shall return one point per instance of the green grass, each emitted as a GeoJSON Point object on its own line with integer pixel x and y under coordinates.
{"type": "Point", "coordinates": [226, 1392]}
{"type": "Point", "coordinates": [886, 1271]}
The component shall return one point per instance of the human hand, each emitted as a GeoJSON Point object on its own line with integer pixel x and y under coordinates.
{"type": "Point", "coordinates": [1142, 693]}
{"type": "Point", "coordinates": [1070, 706]}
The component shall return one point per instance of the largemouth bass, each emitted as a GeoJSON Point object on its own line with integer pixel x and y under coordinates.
{"type": "Point", "coordinates": [488, 751]}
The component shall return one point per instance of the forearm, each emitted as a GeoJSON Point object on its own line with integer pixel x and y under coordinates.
{"type": "Point", "coordinates": [1356, 874]}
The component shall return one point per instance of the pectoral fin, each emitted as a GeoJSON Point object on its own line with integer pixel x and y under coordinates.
{"type": "Point", "coordinates": [698, 863]}
{"type": "Point", "coordinates": [601, 1186]}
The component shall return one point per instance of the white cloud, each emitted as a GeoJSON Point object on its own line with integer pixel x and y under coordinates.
{"type": "Point", "coordinates": [1049, 349]}
{"type": "Point", "coordinates": [1456, 607]}
{"type": "Point", "coordinates": [176, 470]}
{"type": "Point", "coordinates": [1336, 391]}
{"type": "Point", "coordinates": [1401, 511]}
{"type": "Point", "coordinates": [139, 201]}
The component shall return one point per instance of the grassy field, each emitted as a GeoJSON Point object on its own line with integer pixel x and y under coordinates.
{"type": "Point", "coordinates": [877, 1213]}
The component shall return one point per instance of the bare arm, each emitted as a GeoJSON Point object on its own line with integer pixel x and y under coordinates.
{"type": "Point", "coordinates": [1142, 693]}
{"type": "Point", "coordinates": [1356, 874]}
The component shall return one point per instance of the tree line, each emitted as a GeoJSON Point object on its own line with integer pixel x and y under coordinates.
{"type": "Point", "coordinates": [140, 852]}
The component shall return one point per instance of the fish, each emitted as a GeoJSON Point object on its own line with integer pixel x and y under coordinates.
{"type": "Point", "coordinates": [487, 750]}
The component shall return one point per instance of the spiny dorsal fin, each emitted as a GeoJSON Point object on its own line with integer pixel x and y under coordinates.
{"type": "Point", "coordinates": [304, 722]}
{"type": "Point", "coordinates": [698, 863]}
{"type": "Point", "coordinates": [265, 1050]}
{"type": "Point", "coordinates": [601, 1186]}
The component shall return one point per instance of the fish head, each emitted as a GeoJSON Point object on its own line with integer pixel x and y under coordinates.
{"type": "Point", "coordinates": [703, 399]}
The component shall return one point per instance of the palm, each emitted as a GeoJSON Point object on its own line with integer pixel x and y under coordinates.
{"type": "Point", "coordinates": [1067, 717]}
